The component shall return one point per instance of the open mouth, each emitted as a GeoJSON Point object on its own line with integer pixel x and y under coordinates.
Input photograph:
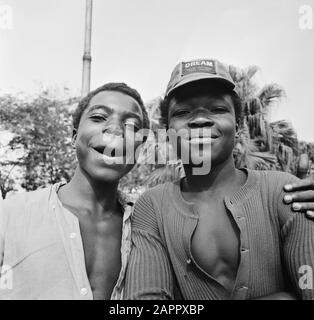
{"type": "Point", "coordinates": [111, 155]}
{"type": "Point", "coordinates": [99, 149]}
{"type": "Point", "coordinates": [109, 152]}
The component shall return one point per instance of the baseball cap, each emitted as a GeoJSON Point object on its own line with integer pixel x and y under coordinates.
{"type": "Point", "coordinates": [199, 69]}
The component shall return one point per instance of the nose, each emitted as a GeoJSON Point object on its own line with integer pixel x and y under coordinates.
{"type": "Point", "coordinates": [201, 121]}
{"type": "Point", "coordinates": [114, 127]}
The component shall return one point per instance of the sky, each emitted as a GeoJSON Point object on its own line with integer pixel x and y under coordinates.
{"type": "Point", "coordinates": [140, 41]}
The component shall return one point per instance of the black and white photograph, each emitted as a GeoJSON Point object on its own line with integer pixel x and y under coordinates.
{"type": "Point", "coordinates": [156, 150]}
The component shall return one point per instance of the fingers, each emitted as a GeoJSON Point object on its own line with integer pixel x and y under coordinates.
{"type": "Point", "coordinates": [303, 206]}
{"type": "Point", "coordinates": [304, 184]}
{"type": "Point", "coordinates": [310, 214]}
{"type": "Point", "coordinates": [301, 201]}
{"type": "Point", "coordinates": [301, 196]}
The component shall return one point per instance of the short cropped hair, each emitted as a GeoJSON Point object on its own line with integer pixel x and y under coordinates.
{"type": "Point", "coordinates": [111, 86]}
{"type": "Point", "coordinates": [185, 91]}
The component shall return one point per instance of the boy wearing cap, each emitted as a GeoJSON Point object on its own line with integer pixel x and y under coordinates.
{"type": "Point", "coordinates": [222, 233]}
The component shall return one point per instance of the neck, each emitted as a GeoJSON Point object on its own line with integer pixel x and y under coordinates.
{"type": "Point", "coordinates": [221, 175]}
{"type": "Point", "coordinates": [95, 196]}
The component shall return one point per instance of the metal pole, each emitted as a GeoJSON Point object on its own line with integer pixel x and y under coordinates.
{"type": "Point", "coordinates": [87, 49]}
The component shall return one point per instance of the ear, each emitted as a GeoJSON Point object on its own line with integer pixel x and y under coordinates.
{"type": "Point", "coordinates": [74, 136]}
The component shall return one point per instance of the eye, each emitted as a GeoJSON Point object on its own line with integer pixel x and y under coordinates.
{"type": "Point", "coordinates": [98, 117]}
{"type": "Point", "coordinates": [220, 109]}
{"type": "Point", "coordinates": [180, 113]}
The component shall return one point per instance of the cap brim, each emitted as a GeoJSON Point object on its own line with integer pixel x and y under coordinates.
{"type": "Point", "coordinates": [199, 77]}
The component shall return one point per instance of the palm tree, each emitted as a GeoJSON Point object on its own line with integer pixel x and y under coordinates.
{"type": "Point", "coordinates": [261, 144]}
{"type": "Point", "coordinates": [284, 145]}
{"type": "Point", "coordinates": [246, 152]}
{"type": "Point", "coordinates": [305, 161]}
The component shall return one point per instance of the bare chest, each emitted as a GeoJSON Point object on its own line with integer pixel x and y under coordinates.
{"type": "Point", "coordinates": [102, 250]}
{"type": "Point", "coordinates": [215, 242]}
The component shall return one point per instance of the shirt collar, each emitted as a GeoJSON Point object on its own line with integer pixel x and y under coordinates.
{"type": "Point", "coordinates": [123, 199]}
{"type": "Point", "coordinates": [126, 203]}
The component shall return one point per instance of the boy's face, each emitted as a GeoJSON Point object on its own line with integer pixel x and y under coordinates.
{"type": "Point", "coordinates": [106, 127]}
{"type": "Point", "coordinates": [202, 111]}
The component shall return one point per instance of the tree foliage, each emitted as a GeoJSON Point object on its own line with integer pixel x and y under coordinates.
{"type": "Point", "coordinates": [41, 129]}
{"type": "Point", "coordinates": [39, 151]}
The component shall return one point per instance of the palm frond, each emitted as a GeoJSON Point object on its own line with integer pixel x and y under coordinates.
{"type": "Point", "coordinates": [270, 93]}
{"type": "Point", "coordinates": [285, 134]}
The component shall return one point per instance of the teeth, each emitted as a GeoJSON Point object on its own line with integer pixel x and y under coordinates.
{"type": "Point", "coordinates": [113, 160]}
{"type": "Point", "coordinates": [201, 140]}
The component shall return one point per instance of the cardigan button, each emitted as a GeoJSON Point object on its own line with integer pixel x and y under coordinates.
{"type": "Point", "coordinates": [84, 291]}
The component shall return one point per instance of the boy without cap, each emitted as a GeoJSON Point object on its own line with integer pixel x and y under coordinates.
{"type": "Point", "coordinates": [72, 241]}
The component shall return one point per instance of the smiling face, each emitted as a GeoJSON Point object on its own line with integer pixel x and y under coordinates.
{"type": "Point", "coordinates": [209, 119]}
{"type": "Point", "coordinates": [105, 129]}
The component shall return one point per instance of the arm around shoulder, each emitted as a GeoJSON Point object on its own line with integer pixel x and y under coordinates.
{"type": "Point", "coordinates": [297, 235]}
